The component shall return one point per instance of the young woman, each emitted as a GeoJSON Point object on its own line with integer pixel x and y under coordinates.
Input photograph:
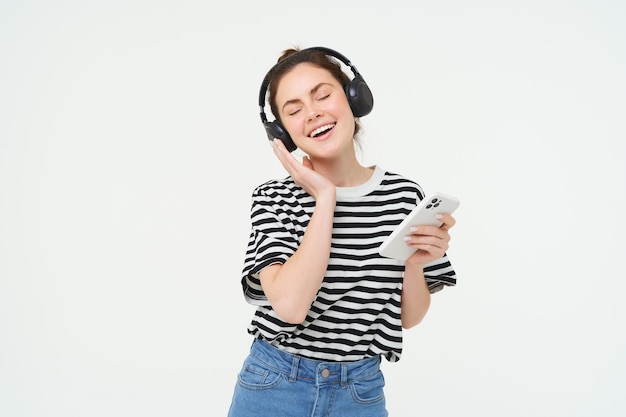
{"type": "Point", "coordinates": [329, 307]}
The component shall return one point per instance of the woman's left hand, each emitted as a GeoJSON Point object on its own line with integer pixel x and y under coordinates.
{"type": "Point", "coordinates": [431, 242]}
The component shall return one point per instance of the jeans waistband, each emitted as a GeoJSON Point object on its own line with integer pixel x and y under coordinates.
{"type": "Point", "coordinates": [315, 371]}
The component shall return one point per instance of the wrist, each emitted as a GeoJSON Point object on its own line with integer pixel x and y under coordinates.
{"type": "Point", "coordinates": [414, 267]}
{"type": "Point", "coordinates": [328, 198]}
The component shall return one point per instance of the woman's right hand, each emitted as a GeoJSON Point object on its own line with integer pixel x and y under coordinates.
{"type": "Point", "coordinates": [303, 172]}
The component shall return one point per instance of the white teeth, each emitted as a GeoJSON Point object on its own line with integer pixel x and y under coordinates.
{"type": "Point", "coordinates": [321, 129]}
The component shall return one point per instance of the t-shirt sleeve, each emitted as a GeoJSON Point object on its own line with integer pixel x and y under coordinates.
{"type": "Point", "coordinates": [439, 274]}
{"type": "Point", "coordinates": [271, 242]}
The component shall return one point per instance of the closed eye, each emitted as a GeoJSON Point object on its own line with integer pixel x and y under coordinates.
{"type": "Point", "coordinates": [292, 110]}
{"type": "Point", "coordinates": [320, 89]}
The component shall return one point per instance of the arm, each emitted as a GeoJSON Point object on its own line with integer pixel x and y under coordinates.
{"type": "Point", "coordinates": [291, 287]}
{"type": "Point", "coordinates": [432, 243]}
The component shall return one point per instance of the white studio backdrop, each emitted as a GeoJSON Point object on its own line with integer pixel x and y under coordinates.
{"type": "Point", "coordinates": [130, 144]}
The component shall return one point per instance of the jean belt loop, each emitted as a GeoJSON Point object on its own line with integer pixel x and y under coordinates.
{"type": "Point", "coordinates": [344, 375]}
{"type": "Point", "coordinates": [295, 363]}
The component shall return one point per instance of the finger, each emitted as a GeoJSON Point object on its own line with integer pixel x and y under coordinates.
{"type": "Point", "coordinates": [286, 159]}
{"type": "Point", "coordinates": [278, 146]}
{"type": "Point", "coordinates": [447, 221]}
{"type": "Point", "coordinates": [427, 253]}
{"type": "Point", "coordinates": [307, 162]}
{"type": "Point", "coordinates": [426, 241]}
{"type": "Point", "coordinates": [438, 232]}
{"type": "Point", "coordinates": [437, 250]}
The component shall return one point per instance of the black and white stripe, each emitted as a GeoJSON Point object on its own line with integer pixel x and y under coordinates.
{"type": "Point", "coordinates": [357, 310]}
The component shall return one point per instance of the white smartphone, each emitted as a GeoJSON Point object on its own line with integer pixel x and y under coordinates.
{"type": "Point", "coordinates": [424, 213]}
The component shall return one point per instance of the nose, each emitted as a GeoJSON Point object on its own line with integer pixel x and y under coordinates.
{"type": "Point", "coordinates": [314, 112]}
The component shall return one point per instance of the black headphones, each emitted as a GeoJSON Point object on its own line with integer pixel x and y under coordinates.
{"type": "Point", "coordinates": [359, 97]}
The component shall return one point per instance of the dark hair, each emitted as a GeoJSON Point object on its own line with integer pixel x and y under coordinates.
{"type": "Point", "coordinates": [289, 59]}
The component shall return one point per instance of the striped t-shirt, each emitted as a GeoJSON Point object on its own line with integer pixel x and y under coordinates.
{"type": "Point", "coordinates": [356, 313]}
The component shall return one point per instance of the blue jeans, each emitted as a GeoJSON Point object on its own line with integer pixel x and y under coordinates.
{"type": "Point", "coordinates": [273, 383]}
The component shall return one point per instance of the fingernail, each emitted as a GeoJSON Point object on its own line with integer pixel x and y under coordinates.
{"type": "Point", "coordinates": [406, 238]}
{"type": "Point", "coordinates": [414, 229]}
{"type": "Point", "coordinates": [439, 216]}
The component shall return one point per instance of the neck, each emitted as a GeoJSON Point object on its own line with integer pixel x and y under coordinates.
{"type": "Point", "coordinates": [343, 173]}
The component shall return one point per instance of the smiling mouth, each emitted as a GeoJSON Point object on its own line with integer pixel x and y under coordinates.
{"type": "Point", "coordinates": [321, 130]}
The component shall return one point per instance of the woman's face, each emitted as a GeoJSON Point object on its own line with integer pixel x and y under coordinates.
{"type": "Point", "coordinates": [314, 109]}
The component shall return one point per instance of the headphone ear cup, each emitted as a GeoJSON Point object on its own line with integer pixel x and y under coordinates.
{"type": "Point", "coordinates": [359, 96]}
{"type": "Point", "coordinates": [275, 130]}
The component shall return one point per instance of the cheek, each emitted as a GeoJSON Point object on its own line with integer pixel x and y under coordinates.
{"type": "Point", "coordinates": [342, 109]}
{"type": "Point", "coordinates": [291, 125]}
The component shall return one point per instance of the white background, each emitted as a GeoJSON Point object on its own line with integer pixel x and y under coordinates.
{"type": "Point", "coordinates": [130, 143]}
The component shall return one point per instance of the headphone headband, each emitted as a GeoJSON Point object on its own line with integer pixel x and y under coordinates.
{"type": "Point", "coordinates": [358, 94]}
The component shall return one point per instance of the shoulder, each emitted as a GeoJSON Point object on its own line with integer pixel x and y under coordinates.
{"type": "Point", "coordinates": [394, 182]}
{"type": "Point", "coordinates": [276, 187]}
{"type": "Point", "coordinates": [283, 190]}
